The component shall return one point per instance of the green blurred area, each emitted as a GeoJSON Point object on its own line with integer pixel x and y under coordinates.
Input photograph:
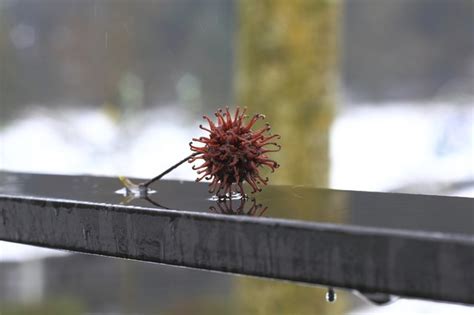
{"type": "Point", "coordinates": [53, 306]}
{"type": "Point", "coordinates": [287, 69]}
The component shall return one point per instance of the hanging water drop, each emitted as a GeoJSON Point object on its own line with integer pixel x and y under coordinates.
{"type": "Point", "coordinates": [331, 295]}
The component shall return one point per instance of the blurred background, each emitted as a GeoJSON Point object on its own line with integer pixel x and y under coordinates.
{"type": "Point", "coordinates": [367, 95]}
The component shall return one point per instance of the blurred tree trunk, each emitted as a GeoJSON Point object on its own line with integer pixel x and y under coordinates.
{"type": "Point", "coordinates": [286, 67]}
{"type": "Point", "coordinates": [287, 70]}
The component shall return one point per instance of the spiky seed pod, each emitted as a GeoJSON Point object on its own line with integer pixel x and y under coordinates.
{"type": "Point", "coordinates": [233, 152]}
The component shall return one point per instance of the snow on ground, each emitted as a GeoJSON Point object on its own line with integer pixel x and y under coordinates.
{"type": "Point", "coordinates": [394, 145]}
{"type": "Point", "coordinates": [90, 142]}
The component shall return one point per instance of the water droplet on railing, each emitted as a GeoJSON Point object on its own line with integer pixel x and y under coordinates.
{"type": "Point", "coordinates": [132, 189]}
{"type": "Point", "coordinates": [233, 196]}
{"type": "Point", "coordinates": [331, 295]}
{"type": "Point", "coordinates": [85, 234]}
{"type": "Point", "coordinates": [135, 192]}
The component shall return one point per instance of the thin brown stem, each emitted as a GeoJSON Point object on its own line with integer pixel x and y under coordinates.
{"type": "Point", "coordinates": [158, 177]}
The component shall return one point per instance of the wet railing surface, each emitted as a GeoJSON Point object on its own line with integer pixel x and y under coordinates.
{"type": "Point", "coordinates": [409, 245]}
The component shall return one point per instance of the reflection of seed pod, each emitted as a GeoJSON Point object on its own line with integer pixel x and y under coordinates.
{"type": "Point", "coordinates": [233, 152]}
{"type": "Point", "coordinates": [239, 207]}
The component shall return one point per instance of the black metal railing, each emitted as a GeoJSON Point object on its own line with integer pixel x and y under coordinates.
{"type": "Point", "coordinates": [429, 260]}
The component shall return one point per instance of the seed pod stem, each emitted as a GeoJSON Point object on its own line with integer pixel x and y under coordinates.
{"type": "Point", "coordinates": [159, 176]}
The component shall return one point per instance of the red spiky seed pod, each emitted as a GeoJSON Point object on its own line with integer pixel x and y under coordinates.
{"type": "Point", "coordinates": [233, 152]}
